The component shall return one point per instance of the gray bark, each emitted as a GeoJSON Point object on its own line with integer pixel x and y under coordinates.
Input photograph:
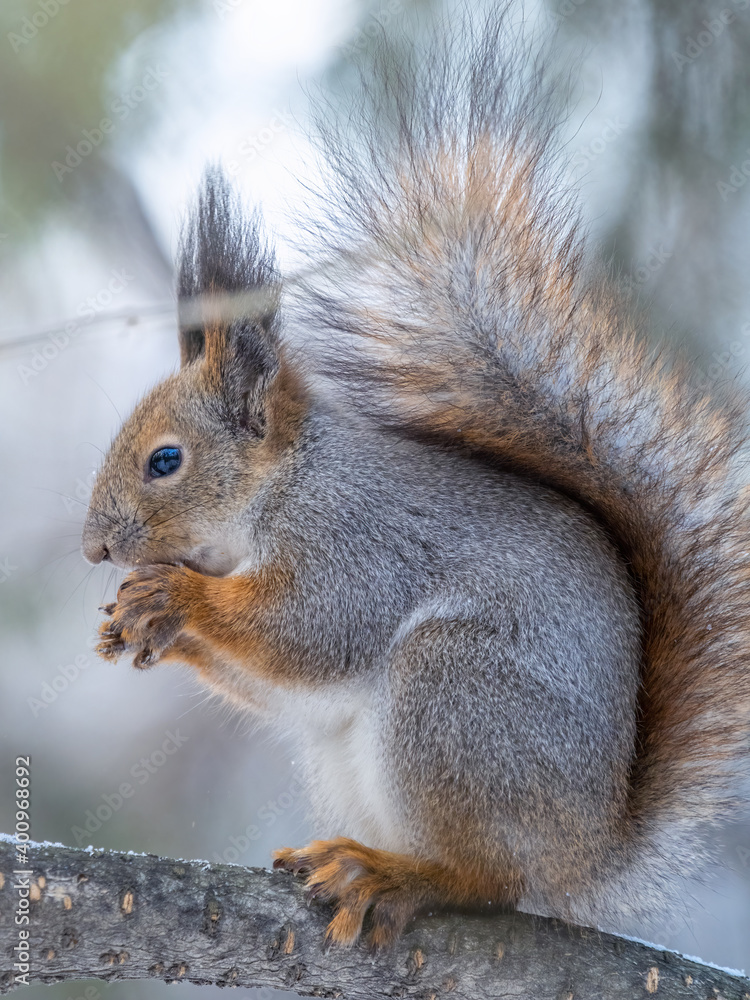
{"type": "Point", "coordinates": [127, 916]}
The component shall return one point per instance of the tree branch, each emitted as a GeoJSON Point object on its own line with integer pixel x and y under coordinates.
{"type": "Point", "coordinates": [131, 916]}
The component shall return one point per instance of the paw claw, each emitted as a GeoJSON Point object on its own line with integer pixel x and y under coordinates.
{"type": "Point", "coordinates": [318, 891]}
{"type": "Point", "coordinates": [357, 879]}
{"type": "Point", "coordinates": [145, 659]}
{"type": "Point", "coordinates": [146, 618]}
{"type": "Point", "coordinates": [290, 861]}
{"type": "Point", "coordinates": [111, 650]}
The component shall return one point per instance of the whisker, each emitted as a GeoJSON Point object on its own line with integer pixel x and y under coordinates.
{"type": "Point", "coordinates": [62, 520]}
{"type": "Point", "coordinates": [119, 513]}
{"type": "Point", "coordinates": [110, 581]}
{"type": "Point", "coordinates": [85, 588]}
{"type": "Point", "coordinates": [83, 503]}
{"type": "Point", "coordinates": [55, 564]}
{"type": "Point", "coordinates": [181, 513]}
{"type": "Point", "coordinates": [62, 583]}
{"type": "Point", "coordinates": [106, 394]}
{"type": "Point", "coordinates": [76, 588]}
{"type": "Point", "coordinates": [112, 573]}
{"type": "Point", "coordinates": [64, 555]}
{"type": "Point", "coordinates": [157, 511]}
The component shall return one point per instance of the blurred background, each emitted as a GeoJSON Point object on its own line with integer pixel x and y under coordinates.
{"type": "Point", "coordinates": [108, 114]}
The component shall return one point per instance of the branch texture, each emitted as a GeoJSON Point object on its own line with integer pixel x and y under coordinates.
{"type": "Point", "coordinates": [131, 916]}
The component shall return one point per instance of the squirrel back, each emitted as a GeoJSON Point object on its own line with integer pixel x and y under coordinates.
{"type": "Point", "coordinates": [486, 328]}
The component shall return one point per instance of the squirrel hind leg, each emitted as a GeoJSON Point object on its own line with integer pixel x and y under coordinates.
{"type": "Point", "coordinates": [359, 879]}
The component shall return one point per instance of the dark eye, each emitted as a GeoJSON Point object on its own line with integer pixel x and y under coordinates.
{"type": "Point", "coordinates": [164, 462]}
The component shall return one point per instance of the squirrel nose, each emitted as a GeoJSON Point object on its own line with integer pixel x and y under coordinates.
{"type": "Point", "coordinates": [96, 554]}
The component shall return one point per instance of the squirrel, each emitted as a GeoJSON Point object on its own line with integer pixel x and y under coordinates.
{"type": "Point", "coordinates": [445, 514]}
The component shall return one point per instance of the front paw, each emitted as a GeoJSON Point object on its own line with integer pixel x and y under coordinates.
{"type": "Point", "coordinates": [150, 612]}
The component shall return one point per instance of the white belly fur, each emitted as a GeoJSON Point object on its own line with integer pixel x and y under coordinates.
{"type": "Point", "coordinates": [348, 779]}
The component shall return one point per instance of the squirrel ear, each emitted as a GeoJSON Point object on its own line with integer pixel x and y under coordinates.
{"type": "Point", "coordinates": [240, 360]}
{"type": "Point", "coordinates": [228, 294]}
{"type": "Point", "coordinates": [192, 344]}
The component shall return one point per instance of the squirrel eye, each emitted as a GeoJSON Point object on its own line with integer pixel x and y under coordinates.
{"type": "Point", "coordinates": [164, 462]}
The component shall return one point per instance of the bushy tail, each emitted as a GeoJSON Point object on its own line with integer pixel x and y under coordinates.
{"type": "Point", "coordinates": [461, 311]}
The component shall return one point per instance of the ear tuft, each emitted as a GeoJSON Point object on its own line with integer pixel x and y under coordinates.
{"type": "Point", "coordinates": [228, 281]}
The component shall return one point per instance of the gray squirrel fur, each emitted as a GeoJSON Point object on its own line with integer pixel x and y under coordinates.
{"type": "Point", "coordinates": [491, 573]}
